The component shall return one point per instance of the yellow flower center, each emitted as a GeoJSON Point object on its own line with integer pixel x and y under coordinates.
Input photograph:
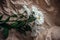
{"type": "Point", "coordinates": [38, 17]}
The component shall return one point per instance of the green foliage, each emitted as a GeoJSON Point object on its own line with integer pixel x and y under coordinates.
{"type": "Point", "coordinates": [20, 25]}
{"type": "Point", "coordinates": [1, 17]}
{"type": "Point", "coordinates": [28, 28]}
{"type": "Point", "coordinates": [14, 15]}
{"type": "Point", "coordinates": [22, 16]}
{"type": "Point", "coordinates": [5, 32]}
{"type": "Point", "coordinates": [7, 20]}
{"type": "Point", "coordinates": [31, 18]}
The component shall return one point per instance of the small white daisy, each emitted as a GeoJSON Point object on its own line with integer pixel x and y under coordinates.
{"type": "Point", "coordinates": [27, 9]}
{"type": "Point", "coordinates": [38, 15]}
{"type": "Point", "coordinates": [39, 18]}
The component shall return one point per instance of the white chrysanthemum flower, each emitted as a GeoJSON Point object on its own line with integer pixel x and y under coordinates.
{"type": "Point", "coordinates": [39, 18]}
{"type": "Point", "coordinates": [27, 9]}
{"type": "Point", "coordinates": [38, 15]}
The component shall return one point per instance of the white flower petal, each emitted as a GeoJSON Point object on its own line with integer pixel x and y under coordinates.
{"type": "Point", "coordinates": [27, 9]}
{"type": "Point", "coordinates": [39, 21]}
{"type": "Point", "coordinates": [38, 15]}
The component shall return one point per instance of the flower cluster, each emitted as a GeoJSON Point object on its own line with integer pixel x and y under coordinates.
{"type": "Point", "coordinates": [38, 21]}
{"type": "Point", "coordinates": [28, 16]}
{"type": "Point", "coordinates": [38, 15]}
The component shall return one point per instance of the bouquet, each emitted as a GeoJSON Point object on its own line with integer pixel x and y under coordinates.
{"type": "Point", "coordinates": [23, 21]}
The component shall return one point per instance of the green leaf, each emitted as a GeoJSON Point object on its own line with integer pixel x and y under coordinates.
{"type": "Point", "coordinates": [18, 24]}
{"type": "Point", "coordinates": [5, 32]}
{"type": "Point", "coordinates": [21, 23]}
{"type": "Point", "coordinates": [5, 25]}
{"type": "Point", "coordinates": [22, 16]}
{"type": "Point", "coordinates": [31, 18]}
{"type": "Point", "coordinates": [7, 19]}
{"type": "Point", "coordinates": [28, 28]}
{"type": "Point", "coordinates": [1, 17]}
{"type": "Point", "coordinates": [14, 25]}
{"type": "Point", "coordinates": [14, 15]}
{"type": "Point", "coordinates": [21, 31]}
